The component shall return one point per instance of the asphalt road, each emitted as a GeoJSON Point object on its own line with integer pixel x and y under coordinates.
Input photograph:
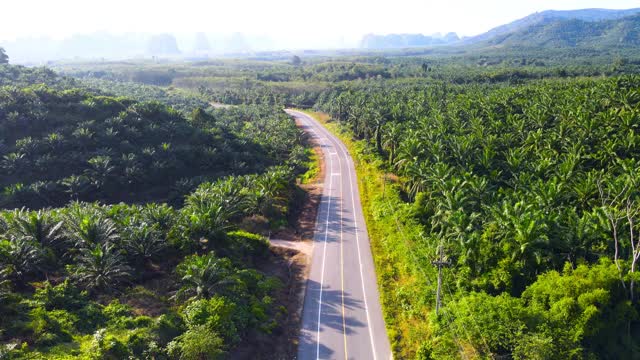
{"type": "Point", "coordinates": [342, 317]}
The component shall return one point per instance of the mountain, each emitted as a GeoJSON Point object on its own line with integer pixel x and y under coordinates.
{"type": "Point", "coordinates": [163, 44]}
{"type": "Point", "coordinates": [566, 28]}
{"type": "Point", "coordinates": [85, 46]}
{"type": "Point", "coordinates": [392, 41]}
{"type": "Point", "coordinates": [202, 44]}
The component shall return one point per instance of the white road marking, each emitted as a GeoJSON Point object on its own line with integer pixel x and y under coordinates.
{"type": "Point", "coordinates": [355, 222]}
{"type": "Point", "coordinates": [324, 257]}
{"type": "Point", "coordinates": [364, 292]}
{"type": "Point", "coordinates": [344, 320]}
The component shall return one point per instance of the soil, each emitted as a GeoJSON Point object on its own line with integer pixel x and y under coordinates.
{"type": "Point", "coordinates": [289, 261]}
{"type": "Point", "coordinates": [216, 105]}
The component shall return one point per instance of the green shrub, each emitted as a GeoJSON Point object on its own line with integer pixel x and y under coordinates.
{"type": "Point", "coordinates": [138, 341]}
{"type": "Point", "coordinates": [217, 314]}
{"type": "Point", "coordinates": [494, 323]}
{"type": "Point", "coordinates": [197, 343]}
{"type": "Point", "coordinates": [168, 327]}
{"type": "Point", "coordinates": [582, 310]}
{"type": "Point", "coordinates": [62, 296]}
{"type": "Point", "coordinates": [154, 351]}
{"type": "Point", "coordinates": [536, 347]}
{"type": "Point", "coordinates": [246, 246]}
{"type": "Point", "coordinates": [107, 347]}
{"type": "Point", "coordinates": [51, 327]}
{"type": "Point", "coordinates": [121, 316]}
{"type": "Point", "coordinates": [116, 310]}
{"type": "Point", "coordinates": [92, 317]}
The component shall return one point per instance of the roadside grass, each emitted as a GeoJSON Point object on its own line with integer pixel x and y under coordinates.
{"type": "Point", "coordinates": [404, 273]}
{"type": "Point", "coordinates": [313, 167]}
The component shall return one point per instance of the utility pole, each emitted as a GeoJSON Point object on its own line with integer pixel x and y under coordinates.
{"type": "Point", "coordinates": [440, 263]}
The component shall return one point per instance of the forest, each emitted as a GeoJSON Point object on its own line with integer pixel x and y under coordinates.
{"type": "Point", "coordinates": [131, 229]}
{"type": "Point", "coordinates": [531, 192]}
{"type": "Point", "coordinates": [518, 167]}
{"type": "Point", "coordinates": [521, 171]}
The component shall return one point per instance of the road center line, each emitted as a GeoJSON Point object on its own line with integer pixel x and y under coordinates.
{"type": "Point", "coordinates": [344, 321]}
{"type": "Point", "coordinates": [364, 292]}
{"type": "Point", "coordinates": [324, 257]}
{"type": "Point", "coordinates": [355, 220]}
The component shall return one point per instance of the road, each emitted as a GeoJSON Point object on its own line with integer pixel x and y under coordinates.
{"type": "Point", "coordinates": [342, 316]}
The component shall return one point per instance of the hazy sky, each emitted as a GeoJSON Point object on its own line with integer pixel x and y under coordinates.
{"type": "Point", "coordinates": [290, 19]}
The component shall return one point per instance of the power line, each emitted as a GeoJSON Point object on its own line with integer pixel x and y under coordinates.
{"type": "Point", "coordinates": [440, 263]}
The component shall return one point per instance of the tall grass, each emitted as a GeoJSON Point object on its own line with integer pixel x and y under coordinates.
{"type": "Point", "coordinates": [405, 276]}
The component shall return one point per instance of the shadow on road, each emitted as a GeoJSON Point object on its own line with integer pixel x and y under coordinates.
{"type": "Point", "coordinates": [331, 320]}
{"type": "Point", "coordinates": [338, 218]}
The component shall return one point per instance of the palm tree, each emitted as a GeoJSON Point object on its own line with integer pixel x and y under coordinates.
{"type": "Point", "coordinates": [83, 134]}
{"type": "Point", "coordinates": [418, 178]}
{"type": "Point", "coordinates": [100, 170]}
{"type": "Point", "coordinates": [160, 215]}
{"type": "Point", "coordinates": [36, 225]}
{"type": "Point", "coordinates": [54, 141]}
{"type": "Point", "coordinates": [6, 293]}
{"type": "Point", "coordinates": [101, 268]}
{"type": "Point", "coordinates": [75, 185]}
{"type": "Point", "coordinates": [409, 151]}
{"type": "Point", "coordinates": [391, 136]}
{"type": "Point", "coordinates": [86, 227]}
{"type": "Point", "coordinates": [12, 162]}
{"type": "Point", "coordinates": [142, 241]}
{"type": "Point", "coordinates": [270, 189]}
{"type": "Point", "coordinates": [5, 285]}
{"type": "Point", "coordinates": [204, 276]}
{"type": "Point", "coordinates": [207, 220]}
{"type": "Point", "coordinates": [209, 209]}
{"type": "Point", "coordinates": [24, 258]}
{"type": "Point", "coordinates": [523, 232]}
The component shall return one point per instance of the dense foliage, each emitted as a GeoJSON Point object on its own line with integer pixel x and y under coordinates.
{"type": "Point", "coordinates": [570, 32]}
{"type": "Point", "coordinates": [169, 272]}
{"type": "Point", "coordinates": [514, 182]}
{"type": "Point", "coordinates": [19, 76]}
{"type": "Point", "coordinates": [518, 164]}
{"type": "Point", "coordinates": [183, 101]}
{"type": "Point", "coordinates": [281, 82]}
{"type": "Point", "coordinates": [58, 146]}
{"type": "Point", "coordinates": [103, 281]}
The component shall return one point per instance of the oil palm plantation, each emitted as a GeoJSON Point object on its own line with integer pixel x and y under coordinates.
{"type": "Point", "coordinates": [101, 268]}
{"type": "Point", "coordinates": [204, 276]}
{"type": "Point", "coordinates": [37, 225]}
{"type": "Point", "coordinates": [86, 227]}
{"type": "Point", "coordinates": [141, 241]}
{"type": "Point", "coordinates": [22, 258]}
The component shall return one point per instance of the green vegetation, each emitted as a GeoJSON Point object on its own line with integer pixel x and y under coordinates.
{"type": "Point", "coordinates": [20, 76]}
{"type": "Point", "coordinates": [160, 267]}
{"type": "Point", "coordinates": [183, 101]}
{"type": "Point", "coordinates": [513, 183]}
{"type": "Point", "coordinates": [401, 273]}
{"type": "Point", "coordinates": [74, 145]}
{"type": "Point", "coordinates": [519, 163]}
{"type": "Point", "coordinates": [588, 28]}
{"type": "Point", "coordinates": [115, 282]}
{"type": "Point", "coordinates": [562, 33]}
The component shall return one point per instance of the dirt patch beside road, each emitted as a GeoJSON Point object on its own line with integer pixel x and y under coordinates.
{"type": "Point", "coordinates": [291, 250]}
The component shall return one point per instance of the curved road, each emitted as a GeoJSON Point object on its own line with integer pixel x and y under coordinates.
{"type": "Point", "coordinates": [342, 317]}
